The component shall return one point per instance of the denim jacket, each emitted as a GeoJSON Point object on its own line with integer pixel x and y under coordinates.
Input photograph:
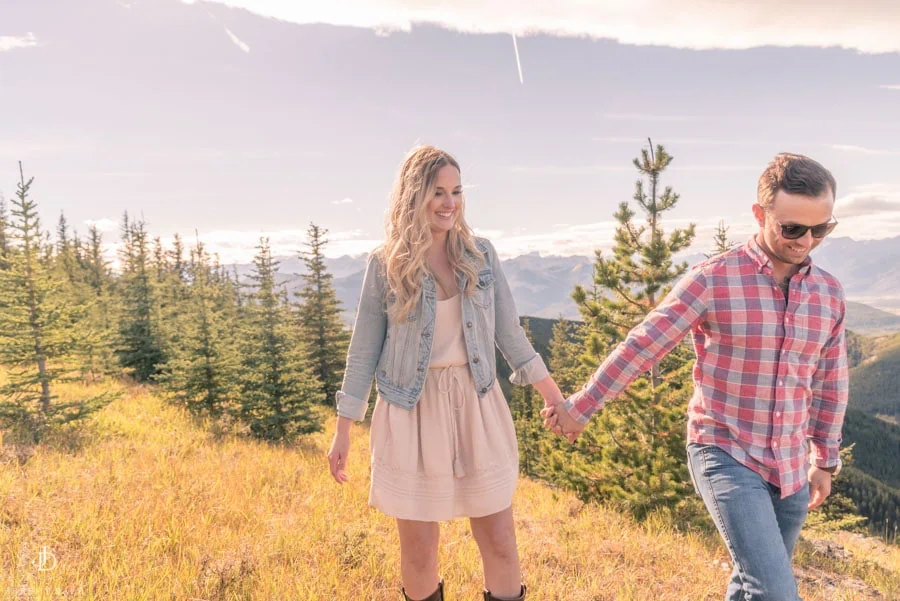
{"type": "Point", "coordinates": [396, 353]}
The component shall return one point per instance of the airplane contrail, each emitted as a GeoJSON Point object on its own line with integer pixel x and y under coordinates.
{"type": "Point", "coordinates": [518, 62]}
{"type": "Point", "coordinates": [236, 40]}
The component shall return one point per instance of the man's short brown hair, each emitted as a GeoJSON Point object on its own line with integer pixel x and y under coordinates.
{"type": "Point", "coordinates": [793, 173]}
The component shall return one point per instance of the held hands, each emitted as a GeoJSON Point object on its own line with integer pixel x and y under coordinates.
{"type": "Point", "coordinates": [558, 421]}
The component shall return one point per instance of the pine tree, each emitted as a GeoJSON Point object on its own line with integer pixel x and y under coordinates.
{"type": "Point", "coordinates": [63, 244]}
{"type": "Point", "coordinates": [65, 251]}
{"type": "Point", "coordinates": [41, 330]}
{"type": "Point", "coordinates": [239, 301]}
{"type": "Point", "coordinates": [319, 312]}
{"type": "Point", "coordinates": [203, 368]}
{"type": "Point", "coordinates": [566, 349]}
{"type": "Point", "coordinates": [278, 388]}
{"type": "Point", "coordinates": [632, 453]}
{"type": "Point", "coordinates": [720, 241]}
{"type": "Point", "coordinates": [75, 267]}
{"type": "Point", "coordinates": [160, 260]}
{"type": "Point", "coordinates": [176, 258]}
{"type": "Point", "coordinates": [96, 263]}
{"type": "Point", "coordinates": [525, 405]}
{"type": "Point", "coordinates": [99, 357]}
{"type": "Point", "coordinates": [4, 230]}
{"type": "Point", "coordinates": [140, 345]}
{"type": "Point", "coordinates": [78, 251]}
{"type": "Point", "coordinates": [170, 283]}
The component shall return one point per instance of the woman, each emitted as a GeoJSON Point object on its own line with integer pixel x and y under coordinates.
{"type": "Point", "coordinates": [434, 302]}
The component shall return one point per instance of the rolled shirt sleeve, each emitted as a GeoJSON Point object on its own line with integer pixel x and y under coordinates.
{"type": "Point", "coordinates": [830, 392]}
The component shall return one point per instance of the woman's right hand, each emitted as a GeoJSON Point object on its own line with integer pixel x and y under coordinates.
{"type": "Point", "coordinates": [337, 456]}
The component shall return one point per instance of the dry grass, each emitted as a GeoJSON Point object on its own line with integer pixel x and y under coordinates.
{"type": "Point", "coordinates": [146, 505]}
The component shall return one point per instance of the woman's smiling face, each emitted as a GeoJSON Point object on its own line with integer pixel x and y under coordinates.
{"type": "Point", "coordinates": [444, 206]}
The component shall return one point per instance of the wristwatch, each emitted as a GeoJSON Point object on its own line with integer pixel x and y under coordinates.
{"type": "Point", "coordinates": [834, 470]}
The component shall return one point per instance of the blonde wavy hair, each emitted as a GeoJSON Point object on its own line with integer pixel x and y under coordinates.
{"type": "Point", "coordinates": [408, 231]}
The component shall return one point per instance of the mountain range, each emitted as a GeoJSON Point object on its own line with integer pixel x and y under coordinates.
{"type": "Point", "coordinates": [542, 285]}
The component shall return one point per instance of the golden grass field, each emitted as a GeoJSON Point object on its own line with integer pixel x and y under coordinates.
{"type": "Point", "coordinates": [144, 504]}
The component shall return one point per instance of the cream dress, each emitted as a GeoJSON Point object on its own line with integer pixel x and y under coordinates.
{"type": "Point", "coordinates": [453, 455]}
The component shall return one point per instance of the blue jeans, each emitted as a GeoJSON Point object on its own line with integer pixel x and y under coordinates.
{"type": "Point", "coordinates": [759, 528]}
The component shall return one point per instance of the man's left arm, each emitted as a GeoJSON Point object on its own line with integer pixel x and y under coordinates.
{"type": "Point", "coordinates": [830, 391]}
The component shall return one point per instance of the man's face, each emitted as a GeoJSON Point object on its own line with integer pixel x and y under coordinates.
{"type": "Point", "coordinates": [792, 209]}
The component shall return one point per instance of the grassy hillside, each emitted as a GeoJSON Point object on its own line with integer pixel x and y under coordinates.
{"type": "Point", "coordinates": [875, 382]}
{"type": "Point", "coordinates": [877, 450]}
{"type": "Point", "coordinates": [147, 505]}
{"type": "Point", "coordinates": [873, 483]}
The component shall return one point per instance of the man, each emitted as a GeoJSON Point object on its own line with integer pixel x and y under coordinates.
{"type": "Point", "coordinates": [771, 377]}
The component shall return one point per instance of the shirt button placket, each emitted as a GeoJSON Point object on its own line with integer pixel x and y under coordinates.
{"type": "Point", "coordinates": [776, 425]}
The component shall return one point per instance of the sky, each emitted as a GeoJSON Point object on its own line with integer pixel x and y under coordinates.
{"type": "Point", "coordinates": [235, 119]}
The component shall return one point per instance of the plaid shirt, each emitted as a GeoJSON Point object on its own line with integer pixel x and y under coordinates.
{"type": "Point", "coordinates": [770, 374]}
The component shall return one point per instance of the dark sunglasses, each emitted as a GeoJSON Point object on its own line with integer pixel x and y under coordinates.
{"type": "Point", "coordinates": [792, 231]}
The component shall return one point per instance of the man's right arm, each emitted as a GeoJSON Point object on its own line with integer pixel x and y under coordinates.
{"type": "Point", "coordinates": [645, 345]}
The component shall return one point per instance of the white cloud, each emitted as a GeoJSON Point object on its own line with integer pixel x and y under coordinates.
{"type": "Point", "coordinates": [11, 42]}
{"type": "Point", "coordinates": [592, 169]}
{"type": "Point", "coordinates": [865, 204]}
{"type": "Point", "coordinates": [619, 139]}
{"type": "Point", "coordinates": [869, 212]}
{"type": "Point", "coordinates": [490, 234]}
{"type": "Point", "coordinates": [103, 225]}
{"type": "Point", "coordinates": [892, 87]}
{"type": "Point", "coordinates": [865, 25]}
{"type": "Point", "coordinates": [344, 236]}
{"type": "Point", "coordinates": [647, 117]}
{"type": "Point", "coordinates": [863, 150]}
{"type": "Point", "coordinates": [13, 150]}
{"type": "Point", "coordinates": [872, 201]}
{"type": "Point", "coordinates": [870, 227]}
{"type": "Point", "coordinates": [567, 170]}
{"type": "Point", "coordinates": [343, 201]}
{"type": "Point", "coordinates": [705, 168]}
{"type": "Point", "coordinates": [669, 142]}
{"type": "Point", "coordinates": [239, 246]}
{"type": "Point", "coordinates": [583, 239]}
{"type": "Point", "coordinates": [237, 41]}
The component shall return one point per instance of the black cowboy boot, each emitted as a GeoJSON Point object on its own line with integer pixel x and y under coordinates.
{"type": "Point", "coordinates": [437, 595]}
{"type": "Point", "coordinates": [489, 597]}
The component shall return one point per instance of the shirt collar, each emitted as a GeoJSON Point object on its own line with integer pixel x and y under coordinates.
{"type": "Point", "coordinates": [764, 263]}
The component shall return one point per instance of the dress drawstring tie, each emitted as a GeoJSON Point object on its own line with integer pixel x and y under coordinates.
{"type": "Point", "coordinates": [450, 383]}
